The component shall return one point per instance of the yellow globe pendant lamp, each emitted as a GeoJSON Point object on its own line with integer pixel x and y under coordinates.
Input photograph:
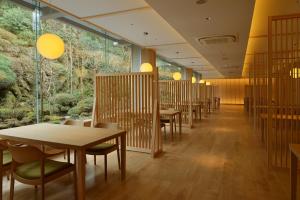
{"type": "Point", "coordinates": [193, 79]}
{"type": "Point", "coordinates": [295, 72]}
{"type": "Point", "coordinates": [50, 46]}
{"type": "Point", "coordinates": [177, 76]}
{"type": "Point", "coordinates": [146, 67]}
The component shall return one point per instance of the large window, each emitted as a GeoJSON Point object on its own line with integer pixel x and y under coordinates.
{"type": "Point", "coordinates": [167, 69]}
{"type": "Point", "coordinates": [65, 85]}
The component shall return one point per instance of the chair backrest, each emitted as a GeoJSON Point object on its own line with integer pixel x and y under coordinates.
{"type": "Point", "coordinates": [72, 122]}
{"type": "Point", "coordinates": [25, 153]}
{"type": "Point", "coordinates": [107, 125]}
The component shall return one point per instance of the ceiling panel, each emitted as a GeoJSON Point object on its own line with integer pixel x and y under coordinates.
{"type": "Point", "coordinates": [176, 51]}
{"type": "Point", "coordinates": [132, 25]}
{"type": "Point", "coordinates": [190, 61]}
{"type": "Point", "coordinates": [213, 18]}
{"type": "Point", "coordinates": [86, 8]}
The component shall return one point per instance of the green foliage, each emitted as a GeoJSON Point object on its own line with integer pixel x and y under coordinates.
{"type": "Point", "coordinates": [63, 102]}
{"type": "Point", "coordinates": [15, 19]}
{"type": "Point", "coordinates": [7, 76]}
{"type": "Point", "coordinates": [5, 113]}
{"type": "Point", "coordinates": [83, 108]}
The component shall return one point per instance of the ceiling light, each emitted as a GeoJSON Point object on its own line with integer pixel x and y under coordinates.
{"type": "Point", "coordinates": [115, 43]}
{"type": "Point", "coordinates": [193, 79]}
{"type": "Point", "coordinates": [177, 76]}
{"type": "Point", "coordinates": [208, 19]}
{"type": "Point", "coordinates": [50, 46]}
{"type": "Point", "coordinates": [199, 2]}
{"type": "Point", "coordinates": [146, 67]}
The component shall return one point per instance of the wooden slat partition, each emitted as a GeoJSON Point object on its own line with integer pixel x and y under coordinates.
{"type": "Point", "coordinates": [129, 100]}
{"type": "Point", "coordinates": [283, 106]}
{"type": "Point", "coordinates": [178, 95]}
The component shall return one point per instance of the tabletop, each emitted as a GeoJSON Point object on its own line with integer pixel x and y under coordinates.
{"type": "Point", "coordinates": [57, 135]}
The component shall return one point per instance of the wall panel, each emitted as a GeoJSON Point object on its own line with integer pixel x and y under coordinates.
{"type": "Point", "coordinates": [231, 91]}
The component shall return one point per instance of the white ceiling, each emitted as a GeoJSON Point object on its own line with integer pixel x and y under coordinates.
{"type": "Point", "coordinates": [173, 26]}
{"type": "Point", "coordinates": [226, 17]}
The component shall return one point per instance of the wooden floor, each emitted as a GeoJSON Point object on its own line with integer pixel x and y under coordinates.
{"type": "Point", "coordinates": [221, 158]}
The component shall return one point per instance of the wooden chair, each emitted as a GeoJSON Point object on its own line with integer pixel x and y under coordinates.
{"type": "Point", "coordinates": [31, 166]}
{"type": "Point", "coordinates": [7, 159]}
{"type": "Point", "coordinates": [105, 148]}
{"type": "Point", "coordinates": [167, 120]}
{"type": "Point", "coordinates": [163, 125]}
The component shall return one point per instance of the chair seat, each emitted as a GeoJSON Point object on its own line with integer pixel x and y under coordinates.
{"type": "Point", "coordinates": [32, 170]}
{"type": "Point", "coordinates": [7, 157]}
{"type": "Point", "coordinates": [101, 147]}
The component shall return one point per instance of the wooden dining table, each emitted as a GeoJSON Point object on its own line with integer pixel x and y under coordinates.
{"type": "Point", "coordinates": [67, 137]}
{"type": "Point", "coordinates": [171, 114]}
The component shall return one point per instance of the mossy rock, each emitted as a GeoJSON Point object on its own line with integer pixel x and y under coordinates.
{"type": "Point", "coordinates": [7, 35]}
{"type": "Point", "coordinates": [7, 76]}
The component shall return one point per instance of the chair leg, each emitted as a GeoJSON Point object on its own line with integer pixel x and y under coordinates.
{"type": "Point", "coordinates": [175, 125]}
{"type": "Point", "coordinates": [105, 167]}
{"type": "Point", "coordinates": [95, 160]}
{"type": "Point", "coordinates": [75, 183]}
{"type": "Point", "coordinates": [118, 154]}
{"type": "Point", "coordinates": [74, 157]}
{"type": "Point", "coordinates": [165, 130]}
{"type": "Point", "coordinates": [12, 187]}
{"type": "Point", "coordinates": [68, 155]}
{"type": "Point", "coordinates": [43, 191]}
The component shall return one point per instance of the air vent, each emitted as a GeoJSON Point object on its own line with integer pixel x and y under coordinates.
{"type": "Point", "coordinates": [219, 39]}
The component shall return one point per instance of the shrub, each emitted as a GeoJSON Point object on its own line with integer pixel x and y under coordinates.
{"type": "Point", "coordinates": [7, 76]}
{"type": "Point", "coordinates": [83, 108]}
{"type": "Point", "coordinates": [63, 102]}
{"type": "Point", "coordinates": [6, 113]}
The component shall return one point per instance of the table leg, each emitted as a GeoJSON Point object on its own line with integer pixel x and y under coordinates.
{"type": "Point", "coordinates": [123, 156]}
{"type": "Point", "coordinates": [80, 173]}
{"type": "Point", "coordinates": [200, 112]}
{"type": "Point", "coordinates": [171, 125]}
{"type": "Point", "coordinates": [293, 176]}
{"type": "Point", "coordinates": [180, 123]}
{"type": "Point", "coordinates": [1, 171]}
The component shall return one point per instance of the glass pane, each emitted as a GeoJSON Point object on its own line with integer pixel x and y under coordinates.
{"type": "Point", "coordinates": [17, 68]}
{"type": "Point", "coordinates": [67, 83]}
{"type": "Point", "coordinates": [166, 69]}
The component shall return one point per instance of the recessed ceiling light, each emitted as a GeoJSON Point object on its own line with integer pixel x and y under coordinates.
{"type": "Point", "coordinates": [208, 19]}
{"type": "Point", "coordinates": [146, 33]}
{"type": "Point", "coordinates": [199, 2]}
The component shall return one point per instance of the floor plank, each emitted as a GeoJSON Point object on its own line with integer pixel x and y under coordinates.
{"type": "Point", "coordinates": [220, 159]}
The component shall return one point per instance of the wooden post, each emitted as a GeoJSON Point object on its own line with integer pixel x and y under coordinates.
{"type": "Point", "coordinates": [149, 56]}
{"type": "Point", "coordinates": [189, 75]}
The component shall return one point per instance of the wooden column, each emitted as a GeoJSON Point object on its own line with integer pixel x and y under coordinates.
{"type": "Point", "coordinates": [149, 56]}
{"type": "Point", "coordinates": [188, 76]}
